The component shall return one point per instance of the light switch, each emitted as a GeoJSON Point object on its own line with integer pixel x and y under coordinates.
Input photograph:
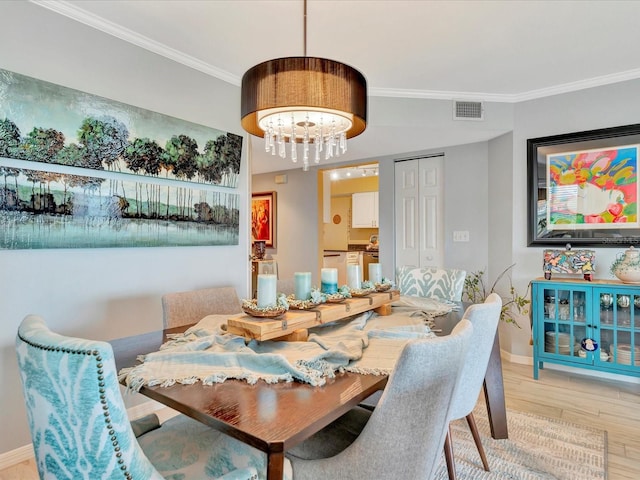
{"type": "Point", "coordinates": [461, 236]}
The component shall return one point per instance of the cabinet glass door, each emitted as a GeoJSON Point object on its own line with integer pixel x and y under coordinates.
{"type": "Point", "coordinates": [565, 322]}
{"type": "Point", "coordinates": [619, 312]}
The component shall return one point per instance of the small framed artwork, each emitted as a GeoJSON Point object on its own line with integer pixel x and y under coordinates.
{"type": "Point", "coordinates": [583, 188]}
{"type": "Point", "coordinates": [263, 217]}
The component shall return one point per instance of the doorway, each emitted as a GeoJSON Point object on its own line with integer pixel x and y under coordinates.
{"type": "Point", "coordinates": [419, 211]}
{"type": "Point", "coordinates": [337, 187]}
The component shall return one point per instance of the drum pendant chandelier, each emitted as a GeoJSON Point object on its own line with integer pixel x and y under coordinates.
{"type": "Point", "coordinates": [316, 102]}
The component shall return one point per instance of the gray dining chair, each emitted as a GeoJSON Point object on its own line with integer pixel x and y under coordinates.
{"type": "Point", "coordinates": [186, 308]}
{"type": "Point", "coordinates": [404, 436]}
{"type": "Point", "coordinates": [484, 317]}
{"type": "Point", "coordinates": [79, 425]}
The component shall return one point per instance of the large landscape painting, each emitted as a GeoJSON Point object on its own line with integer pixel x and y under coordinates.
{"type": "Point", "coordinates": [77, 170]}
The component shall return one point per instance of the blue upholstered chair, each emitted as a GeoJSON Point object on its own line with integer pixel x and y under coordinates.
{"type": "Point", "coordinates": [404, 436]}
{"type": "Point", "coordinates": [438, 283]}
{"type": "Point", "coordinates": [484, 317]}
{"type": "Point", "coordinates": [79, 425]}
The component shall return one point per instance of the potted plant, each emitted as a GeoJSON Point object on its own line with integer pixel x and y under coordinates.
{"type": "Point", "coordinates": [475, 291]}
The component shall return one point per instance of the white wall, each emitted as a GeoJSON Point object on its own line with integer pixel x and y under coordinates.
{"type": "Point", "coordinates": [492, 176]}
{"type": "Point", "coordinates": [465, 206]}
{"type": "Point", "coordinates": [600, 107]}
{"type": "Point", "coordinates": [296, 220]}
{"type": "Point", "coordinates": [106, 293]}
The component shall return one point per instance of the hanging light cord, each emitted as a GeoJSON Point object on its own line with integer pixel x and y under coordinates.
{"type": "Point", "coordinates": [305, 27]}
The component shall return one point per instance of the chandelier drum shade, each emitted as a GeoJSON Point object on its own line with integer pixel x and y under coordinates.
{"type": "Point", "coordinates": [305, 100]}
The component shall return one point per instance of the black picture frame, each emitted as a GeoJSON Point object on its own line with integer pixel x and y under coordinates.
{"type": "Point", "coordinates": [538, 189]}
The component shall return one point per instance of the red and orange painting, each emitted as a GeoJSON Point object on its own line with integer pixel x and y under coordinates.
{"type": "Point", "coordinates": [263, 217]}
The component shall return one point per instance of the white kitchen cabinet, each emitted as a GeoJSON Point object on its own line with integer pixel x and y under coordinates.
{"type": "Point", "coordinates": [364, 210]}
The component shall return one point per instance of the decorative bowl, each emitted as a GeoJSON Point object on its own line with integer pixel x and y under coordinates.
{"type": "Point", "coordinates": [361, 292]}
{"type": "Point", "coordinates": [628, 276]}
{"type": "Point", "coordinates": [250, 307]}
{"type": "Point", "coordinates": [627, 266]}
{"type": "Point", "coordinates": [301, 304]}
{"type": "Point", "coordinates": [335, 298]}
{"type": "Point", "coordinates": [624, 301]}
{"type": "Point", "coordinates": [606, 300]}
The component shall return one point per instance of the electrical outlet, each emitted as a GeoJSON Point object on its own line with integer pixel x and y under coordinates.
{"type": "Point", "coordinates": [461, 236]}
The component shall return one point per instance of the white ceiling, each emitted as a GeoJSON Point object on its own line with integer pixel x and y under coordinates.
{"type": "Point", "coordinates": [494, 51]}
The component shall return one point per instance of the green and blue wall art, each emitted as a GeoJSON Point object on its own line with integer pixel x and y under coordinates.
{"type": "Point", "coordinates": [82, 171]}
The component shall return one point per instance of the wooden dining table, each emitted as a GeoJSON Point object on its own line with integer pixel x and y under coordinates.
{"type": "Point", "coordinates": [275, 417]}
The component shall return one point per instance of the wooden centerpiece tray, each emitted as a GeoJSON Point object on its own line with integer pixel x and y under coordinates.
{"type": "Point", "coordinates": [293, 320]}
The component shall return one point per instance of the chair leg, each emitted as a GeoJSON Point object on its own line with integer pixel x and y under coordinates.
{"type": "Point", "coordinates": [448, 455]}
{"type": "Point", "coordinates": [476, 438]}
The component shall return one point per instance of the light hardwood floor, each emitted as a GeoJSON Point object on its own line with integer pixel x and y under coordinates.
{"type": "Point", "coordinates": [609, 405]}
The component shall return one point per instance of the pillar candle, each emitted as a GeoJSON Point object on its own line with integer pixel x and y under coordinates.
{"type": "Point", "coordinates": [329, 280]}
{"type": "Point", "coordinates": [267, 291]}
{"type": "Point", "coordinates": [375, 272]}
{"type": "Point", "coordinates": [353, 276]}
{"type": "Point", "coordinates": [302, 285]}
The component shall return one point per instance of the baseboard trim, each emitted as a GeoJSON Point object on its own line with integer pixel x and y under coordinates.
{"type": "Point", "coordinates": [24, 453]}
{"type": "Point", "coordinates": [512, 358]}
{"type": "Point", "coordinates": [14, 457]}
{"type": "Point", "coordinates": [526, 360]}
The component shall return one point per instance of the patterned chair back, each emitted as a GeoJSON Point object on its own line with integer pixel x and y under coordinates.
{"type": "Point", "coordinates": [79, 425]}
{"type": "Point", "coordinates": [431, 282]}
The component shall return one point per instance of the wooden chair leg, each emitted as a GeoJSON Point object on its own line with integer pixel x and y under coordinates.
{"type": "Point", "coordinates": [448, 455]}
{"type": "Point", "coordinates": [476, 438]}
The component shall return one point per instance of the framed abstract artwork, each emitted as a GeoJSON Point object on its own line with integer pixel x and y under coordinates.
{"type": "Point", "coordinates": [263, 217]}
{"type": "Point", "coordinates": [583, 188]}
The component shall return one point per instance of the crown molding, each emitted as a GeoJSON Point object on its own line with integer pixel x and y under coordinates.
{"type": "Point", "coordinates": [440, 95]}
{"type": "Point", "coordinates": [118, 31]}
{"type": "Point", "coordinates": [80, 15]}
{"type": "Point", "coordinates": [579, 85]}
{"type": "Point", "coordinates": [509, 97]}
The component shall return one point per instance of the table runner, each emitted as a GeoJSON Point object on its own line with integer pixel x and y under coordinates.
{"type": "Point", "coordinates": [367, 343]}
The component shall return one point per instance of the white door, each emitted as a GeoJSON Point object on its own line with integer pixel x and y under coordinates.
{"type": "Point", "coordinates": [419, 211]}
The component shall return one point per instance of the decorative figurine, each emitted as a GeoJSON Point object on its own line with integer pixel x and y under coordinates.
{"type": "Point", "coordinates": [569, 261]}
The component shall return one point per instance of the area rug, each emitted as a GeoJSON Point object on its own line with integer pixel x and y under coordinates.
{"type": "Point", "coordinates": [537, 448]}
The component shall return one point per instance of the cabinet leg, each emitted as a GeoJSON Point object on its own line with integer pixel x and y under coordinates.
{"type": "Point", "coordinates": [537, 366]}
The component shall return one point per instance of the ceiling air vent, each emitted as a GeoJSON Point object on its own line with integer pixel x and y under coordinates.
{"type": "Point", "coordinates": [468, 110]}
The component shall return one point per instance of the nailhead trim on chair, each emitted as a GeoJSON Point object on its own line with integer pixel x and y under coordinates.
{"type": "Point", "coordinates": [101, 390]}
